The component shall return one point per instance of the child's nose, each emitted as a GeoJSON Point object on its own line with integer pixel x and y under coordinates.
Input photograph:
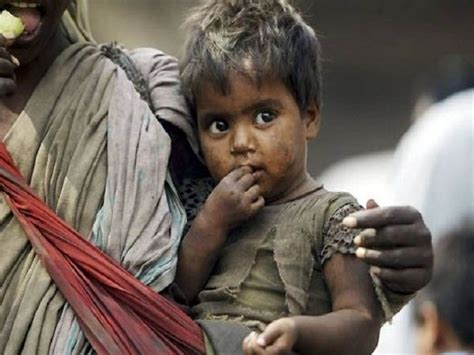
{"type": "Point", "coordinates": [242, 141]}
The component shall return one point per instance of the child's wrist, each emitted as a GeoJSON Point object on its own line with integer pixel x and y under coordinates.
{"type": "Point", "coordinates": [210, 218]}
{"type": "Point", "coordinates": [295, 326]}
{"type": "Point", "coordinates": [209, 225]}
{"type": "Point", "coordinates": [203, 240]}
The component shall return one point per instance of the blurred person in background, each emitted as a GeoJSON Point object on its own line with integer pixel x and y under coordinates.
{"type": "Point", "coordinates": [433, 166]}
{"type": "Point", "coordinates": [386, 176]}
{"type": "Point", "coordinates": [444, 309]}
{"type": "Point", "coordinates": [434, 162]}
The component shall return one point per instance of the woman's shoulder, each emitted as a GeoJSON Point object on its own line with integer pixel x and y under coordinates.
{"type": "Point", "coordinates": [148, 59]}
{"type": "Point", "coordinates": [155, 75]}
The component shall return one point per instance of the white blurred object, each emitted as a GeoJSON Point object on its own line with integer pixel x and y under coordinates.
{"type": "Point", "coordinates": [434, 172]}
{"type": "Point", "coordinates": [434, 163]}
{"type": "Point", "coordinates": [364, 176]}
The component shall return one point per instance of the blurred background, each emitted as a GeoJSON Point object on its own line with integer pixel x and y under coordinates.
{"type": "Point", "coordinates": [373, 50]}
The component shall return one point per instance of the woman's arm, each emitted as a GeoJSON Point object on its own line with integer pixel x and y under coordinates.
{"type": "Point", "coordinates": [351, 328]}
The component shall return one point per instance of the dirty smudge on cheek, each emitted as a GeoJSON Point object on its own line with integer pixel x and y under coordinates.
{"type": "Point", "coordinates": [279, 155]}
{"type": "Point", "coordinates": [286, 158]}
{"type": "Point", "coordinates": [216, 161]}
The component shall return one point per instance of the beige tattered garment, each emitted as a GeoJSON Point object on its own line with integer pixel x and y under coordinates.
{"type": "Point", "coordinates": [95, 153]}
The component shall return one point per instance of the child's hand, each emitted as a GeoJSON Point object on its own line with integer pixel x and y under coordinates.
{"type": "Point", "coordinates": [397, 245]}
{"type": "Point", "coordinates": [235, 199]}
{"type": "Point", "coordinates": [8, 64]}
{"type": "Point", "coordinates": [278, 338]}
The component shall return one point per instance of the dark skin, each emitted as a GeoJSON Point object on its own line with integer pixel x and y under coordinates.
{"type": "Point", "coordinates": [254, 144]}
{"type": "Point", "coordinates": [351, 328]}
{"type": "Point", "coordinates": [24, 61]}
{"type": "Point", "coordinates": [400, 251]}
{"type": "Point", "coordinates": [247, 175]}
{"type": "Point", "coordinates": [235, 199]}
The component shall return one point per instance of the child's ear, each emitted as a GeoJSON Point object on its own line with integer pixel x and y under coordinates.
{"type": "Point", "coordinates": [312, 120]}
{"type": "Point", "coordinates": [439, 335]}
{"type": "Point", "coordinates": [428, 337]}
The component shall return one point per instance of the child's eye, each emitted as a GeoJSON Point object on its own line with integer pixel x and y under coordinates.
{"type": "Point", "coordinates": [218, 126]}
{"type": "Point", "coordinates": [264, 117]}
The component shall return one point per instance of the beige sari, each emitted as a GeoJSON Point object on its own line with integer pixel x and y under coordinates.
{"type": "Point", "coordinates": [96, 154]}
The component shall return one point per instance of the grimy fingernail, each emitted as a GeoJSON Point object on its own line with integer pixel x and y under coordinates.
{"type": "Point", "coordinates": [375, 270]}
{"type": "Point", "coordinates": [357, 240]}
{"type": "Point", "coordinates": [369, 232]}
{"type": "Point", "coordinates": [350, 222]}
{"type": "Point", "coordinates": [360, 252]}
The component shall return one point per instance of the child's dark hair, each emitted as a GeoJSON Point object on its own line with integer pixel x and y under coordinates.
{"type": "Point", "coordinates": [256, 38]}
{"type": "Point", "coordinates": [451, 289]}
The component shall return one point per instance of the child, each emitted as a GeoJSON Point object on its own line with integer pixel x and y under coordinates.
{"type": "Point", "coordinates": [268, 249]}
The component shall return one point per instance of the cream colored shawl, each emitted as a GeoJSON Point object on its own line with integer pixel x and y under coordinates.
{"type": "Point", "coordinates": [95, 153]}
{"type": "Point", "coordinates": [76, 22]}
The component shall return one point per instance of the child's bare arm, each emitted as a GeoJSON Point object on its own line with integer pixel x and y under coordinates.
{"type": "Point", "coordinates": [235, 199]}
{"type": "Point", "coordinates": [351, 328]}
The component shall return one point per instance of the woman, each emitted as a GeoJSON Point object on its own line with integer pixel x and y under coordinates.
{"type": "Point", "coordinates": [92, 150]}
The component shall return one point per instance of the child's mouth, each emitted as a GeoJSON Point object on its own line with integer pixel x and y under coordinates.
{"type": "Point", "coordinates": [257, 171]}
{"type": "Point", "coordinates": [30, 13]}
{"type": "Point", "coordinates": [257, 174]}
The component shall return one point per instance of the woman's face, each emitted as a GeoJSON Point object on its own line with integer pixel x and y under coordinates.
{"type": "Point", "coordinates": [41, 19]}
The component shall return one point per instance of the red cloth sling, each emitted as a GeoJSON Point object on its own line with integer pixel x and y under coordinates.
{"type": "Point", "coordinates": [117, 313]}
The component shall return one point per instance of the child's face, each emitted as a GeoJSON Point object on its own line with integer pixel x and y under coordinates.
{"type": "Point", "coordinates": [260, 126]}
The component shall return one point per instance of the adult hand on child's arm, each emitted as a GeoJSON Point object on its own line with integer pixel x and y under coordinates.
{"type": "Point", "coordinates": [235, 199]}
{"type": "Point", "coordinates": [397, 245]}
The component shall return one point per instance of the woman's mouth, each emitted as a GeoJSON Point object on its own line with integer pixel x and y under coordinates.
{"type": "Point", "coordinates": [30, 13]}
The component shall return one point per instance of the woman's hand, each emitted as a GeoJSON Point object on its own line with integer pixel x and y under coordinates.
{"type": "Point", "coordinates": [8, 64]}
{"type": "Point", "coordinates": [396, 243]}
{"type": "Point", "coordinates": [235, 199]}
{"type": "Point", "coordinates": [278, 339]}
